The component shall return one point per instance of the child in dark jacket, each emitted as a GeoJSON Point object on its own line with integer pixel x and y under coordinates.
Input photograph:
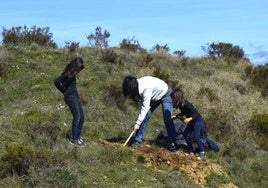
{"type": "Point", "coordinates": [192, 118]}
{"type": "Point", "coordinates": [66, 83]}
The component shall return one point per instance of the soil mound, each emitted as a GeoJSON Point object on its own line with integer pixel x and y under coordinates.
{"type": "Point", "coordinates": [189, 165]}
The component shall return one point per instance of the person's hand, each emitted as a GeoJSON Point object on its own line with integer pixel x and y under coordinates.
{"type": "Point", "coordinates": [187, 120]}
{"type": "Point", "coordinates": [173, 117]}
{"type": "Point", "coordinates": [136, 127]}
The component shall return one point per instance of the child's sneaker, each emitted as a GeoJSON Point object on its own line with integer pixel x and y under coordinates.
{"type": "Point", "coordinates": [83, 141]}
{"type": "Point", "coordinates": [188, 151]}
{"type": "Point", "coordinates": [172, 147]}
{"type": "Point", "coordinates": [78, 142]}
{"type": "Point", "coordinates": [202, 155]}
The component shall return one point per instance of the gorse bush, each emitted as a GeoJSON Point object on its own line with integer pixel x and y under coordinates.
{"type": "Point", "coordinates": [26, 36]}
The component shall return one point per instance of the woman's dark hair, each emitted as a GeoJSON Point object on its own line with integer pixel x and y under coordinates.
{"type": "Point", "coordinates": [75, 66]}
{"type": "Point", "coordinates": [178, 97]}
{"type": "Point", "coordinates": [131, 87]}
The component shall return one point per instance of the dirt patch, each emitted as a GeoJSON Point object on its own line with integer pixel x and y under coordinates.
{"type": "Point", "coordinates": [189, 165]}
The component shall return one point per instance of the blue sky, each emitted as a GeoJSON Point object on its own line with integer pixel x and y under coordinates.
{"type": "Point", "coordinates": [182, 24]}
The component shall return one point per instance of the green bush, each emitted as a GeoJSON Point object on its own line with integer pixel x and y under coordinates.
{"type": "Point", "coordinates": [259, 127]}
{"type": "Point", "coordinates": [45, 133]}
{"type": "Point", "coordinates": [26, 36]}
{"type": "Point", "coordinates": [209, 93]}
{"type": "Point", "coordinates": [226, 51]}
{"type": "Point", "coordinates": [72, 46]}
{"type": "Point", "coordinates": [131, 45]}
{"type": "Point", "coordinates": [248, 70]}
{"type": "Point", "coordinates": [259, 78]}
{"type": "Point", "coordinates": [163, 75]}
{"type": "Point", "coordinates": [21, 160]}
{"type": "Point", "coordinates": [109, 55]}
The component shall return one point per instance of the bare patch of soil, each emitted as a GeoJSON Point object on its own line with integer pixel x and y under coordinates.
{"type": "Point", "coordinates": [189, 165]}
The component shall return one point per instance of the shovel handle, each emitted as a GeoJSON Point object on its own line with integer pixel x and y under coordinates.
{"type": "Point", "coordinates": [129, 138]}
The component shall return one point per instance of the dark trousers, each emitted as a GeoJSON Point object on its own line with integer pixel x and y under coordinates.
{"type": "Point", "coordinates": [194, 127]}
{"type": "Point", "coordinates": [76, 108]}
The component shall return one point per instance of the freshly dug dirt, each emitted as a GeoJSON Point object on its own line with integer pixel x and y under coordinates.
{"type": "Point", "coordinates": [190, 165]}
{"type": "Point", "coordinates": [160, 159]}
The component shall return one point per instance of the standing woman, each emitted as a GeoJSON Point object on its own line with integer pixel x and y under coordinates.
{"type": "Point", "coordinates": [153, 92]}
{"type": "Point", "coordinates": [66, 83]}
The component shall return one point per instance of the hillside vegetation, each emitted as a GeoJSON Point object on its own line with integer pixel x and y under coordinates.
{"type": "Point", "coordinates": [35, 122]}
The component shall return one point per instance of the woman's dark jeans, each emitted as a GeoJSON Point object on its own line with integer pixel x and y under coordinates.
{"type": "Point", "coordinates": [194, 127]}
{"type": "Point", "coordinates": [76, 108]}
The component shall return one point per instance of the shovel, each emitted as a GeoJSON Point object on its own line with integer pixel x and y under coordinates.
{"type": "Point", "coordinates": [131, 134]}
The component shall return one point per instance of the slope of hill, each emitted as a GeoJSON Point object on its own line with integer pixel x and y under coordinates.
{"type": "Point", "coordinates": [35, 122]}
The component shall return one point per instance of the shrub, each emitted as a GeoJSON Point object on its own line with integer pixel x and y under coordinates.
{"type": "Point", "coordinates": [21, 160]}
{"type": "Point", "coordinates": [259, 127]}
{"type": "Point", "coordinates": [241, 89]}
{"type": "Point", "coordinates": [99, 39]}
{"type": "Point", "coordinates": [224, 50]}
{"type": "Point", "coordinates": [115, 93]}
{"type": "Point", "coordinates": [131, 45]}
{"type": "Point", "coordinates": [209, 93]}
{"type": "Point", "coordinates": [159, 48]}
{"type": "Point", "coordinates": [179, 53]}
{"type": "Point", "coordinates": [72, 46]}
{"type": "Point", "coordinates": [26, 36]}
{"type": "Point", "coordinates": [47, 132]}
{"type": "Point", "coordinates": [3, 69]}
{"type": "Point", "coordinates": [248, 70]}
{"type": "Point", "coordinates": [163, 75]}
{"type": "Point", "coordinates": [109, 55]}
{"type": "Point", "coordinates": [259, 78]}
{"type": "Point", "coordinates": [146, 59]}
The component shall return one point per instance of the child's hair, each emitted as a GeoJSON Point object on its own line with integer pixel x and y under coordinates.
{"type": "Point", "coordinates": [131, 87]}
{"type": "Point", "coordinates": [75, 66]}
{"type": "Point", "coordinates": [178, 97]}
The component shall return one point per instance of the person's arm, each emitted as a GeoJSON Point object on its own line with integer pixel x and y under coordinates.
{"type": "Point", "coordinates": [194, 112]}
{"type": "Point", "coordinates": [146, 95]}
{"type": "Point", "coordinates": [59, 83]}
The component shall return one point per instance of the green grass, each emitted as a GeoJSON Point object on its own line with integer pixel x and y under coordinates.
{"type": "Point", "coordinates": [35, 121]}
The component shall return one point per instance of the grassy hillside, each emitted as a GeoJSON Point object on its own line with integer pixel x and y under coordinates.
{"type": "Point", "coordinates": [35, 122]}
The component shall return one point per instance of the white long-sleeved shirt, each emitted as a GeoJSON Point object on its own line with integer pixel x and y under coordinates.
{"type": "Point", "coordinates": [150, 89]}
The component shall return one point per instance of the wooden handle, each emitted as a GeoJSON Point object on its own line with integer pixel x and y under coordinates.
{"type": "Point", "coordinates": [129, 138]}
